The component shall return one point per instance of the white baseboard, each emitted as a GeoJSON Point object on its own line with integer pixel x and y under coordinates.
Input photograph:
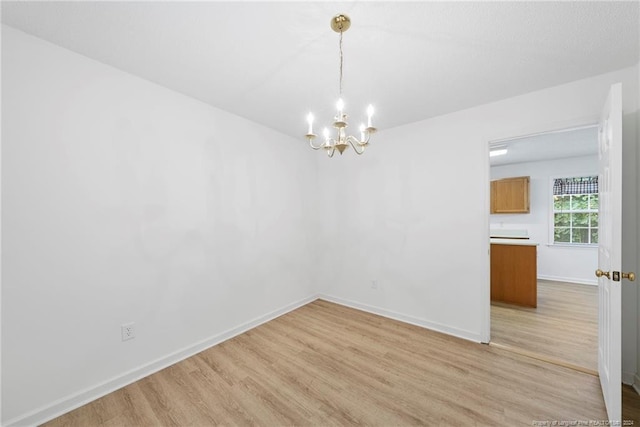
{"type": "Point", "coordinates": [636, 383]}
{"type": "Point", "coordinates": [593, 282]}
{"type": "Point", "coordinates": [460, 333]}
{"type": "Point", "coordinates": [69, 403]}
{"type": "Point", "coordinates": [628, 378]}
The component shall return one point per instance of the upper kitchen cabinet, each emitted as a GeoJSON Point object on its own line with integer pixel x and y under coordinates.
{"type": "Point", "coordinates": [510, 195]}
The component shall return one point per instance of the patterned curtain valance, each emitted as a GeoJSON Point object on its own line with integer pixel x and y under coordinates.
{"type": "Point", "coordinates": [578, 185]}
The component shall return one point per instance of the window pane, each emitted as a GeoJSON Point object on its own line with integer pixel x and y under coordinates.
{"type": "Point", "coordinates": [561, 203]}
{"type": "Point", "coordinates": [561, 235]}
{"type": "Point", "coordinates": [594, 219]}
{"type": "Point", "coordinates": [561, 220]}
{"type": "Point", "coordinates": [580, 220]}
{"type": "Point", "coordinates": [594, 235]}
{"type": "Point", "coordinates": [593, 204]}
{"type": "Point", "coordinates": [580, 201]}
{"type": "Point", "coordinates": [580, 235]}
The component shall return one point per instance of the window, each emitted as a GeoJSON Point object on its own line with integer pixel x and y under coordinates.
{"type": "Point", "coordinates": [575, 210]}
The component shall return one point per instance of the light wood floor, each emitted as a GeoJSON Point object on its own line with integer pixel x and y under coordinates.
{"type": "Point", "coordinates": [630, 405]}
{"type": "Point", "coordinates": [564, 326]}
{"type": "Point", "coordinates": [325, 364]}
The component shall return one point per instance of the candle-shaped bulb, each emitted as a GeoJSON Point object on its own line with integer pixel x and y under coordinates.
{"type": "Point", "coordinates": [340, 107]}
{"type": "Point", "coordinates": [327, 141]}
{"type": "Point", "coordinates": [369, 114]}
{"type": "Point", "coordinates": [362, 132]}
{"type": "Point", "coordinates": [310, 121]}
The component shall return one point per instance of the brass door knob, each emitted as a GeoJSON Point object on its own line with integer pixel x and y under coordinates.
{"type": "Point", "coordinates": [600, 273]}
{"type": "Point", "coordinates": [631, 276]}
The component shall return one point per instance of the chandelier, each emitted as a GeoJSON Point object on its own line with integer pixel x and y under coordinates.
{"type": "Point", "coordinates": [341, 141]}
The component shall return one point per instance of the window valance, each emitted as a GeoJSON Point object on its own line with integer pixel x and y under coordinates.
{"type": "Point", "coordinates": [578, 185]}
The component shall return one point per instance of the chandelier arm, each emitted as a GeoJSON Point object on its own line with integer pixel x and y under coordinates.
{"type": "Point", "coordinates": [331, 151]}
{"type": "Point", "coordinates": [313, 146]}
{"type": "Point", "coordinates": [350, 140]}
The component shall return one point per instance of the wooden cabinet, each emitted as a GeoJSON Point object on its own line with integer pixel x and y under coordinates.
{"type": "Point", "coordinates": [514, 274]}
{"type": "Point", "coordinates": [510, 195]}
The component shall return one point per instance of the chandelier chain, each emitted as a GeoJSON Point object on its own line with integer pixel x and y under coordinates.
{"type": "Point", "coordinates": [340, 63]}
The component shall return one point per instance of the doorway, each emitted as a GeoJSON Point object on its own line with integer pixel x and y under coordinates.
{"type": "Point", "coordinates": [562, 327]}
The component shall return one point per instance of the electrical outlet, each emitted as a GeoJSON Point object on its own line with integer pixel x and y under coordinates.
{"type": "Point", "coordinates": [374, 284]}
{"type": "Point", "coordinates": [128, 331]}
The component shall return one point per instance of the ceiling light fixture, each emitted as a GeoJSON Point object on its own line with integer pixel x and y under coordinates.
{"type": "Point", "coordinates": [497, 152]}
{"type": "Point", "coordinates": [340, 24]}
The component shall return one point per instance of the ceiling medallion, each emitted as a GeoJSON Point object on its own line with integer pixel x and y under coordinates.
{"type": "Point", "coordinates": [341, 141]}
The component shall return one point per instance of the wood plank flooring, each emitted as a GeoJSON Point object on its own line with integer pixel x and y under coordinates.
{"type": "Point", "coordinates": [325, 364]}
{"type": "Point", "coordinates": [630, 405]}
{"type": "Point", "coordinates": [563, 329]}
{"type": "Point", "coordinates": [564, 326]}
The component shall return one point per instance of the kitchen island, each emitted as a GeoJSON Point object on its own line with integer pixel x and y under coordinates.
{"type": "Point", "coordinates": [514, 272]}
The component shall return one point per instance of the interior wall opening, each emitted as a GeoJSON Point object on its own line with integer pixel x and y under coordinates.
{"type": "Point", "coordinates": [543, 230]}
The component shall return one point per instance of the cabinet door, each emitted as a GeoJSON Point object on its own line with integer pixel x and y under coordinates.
{"type": "Point", "coordinates": [510, 195]}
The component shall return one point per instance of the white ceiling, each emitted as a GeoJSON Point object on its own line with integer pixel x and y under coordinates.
{"type": "Point", "coordinates": [547, 146]}
{"type": "Point", "coordinates": [272, 62]}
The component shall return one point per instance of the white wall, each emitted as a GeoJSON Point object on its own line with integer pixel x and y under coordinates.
{"type": "Point", "coordinates": [126, 202]}
{"type": "Point", "coordinates": [637, 318]}
{"type": "Point", "coordinates": [630, 230]}
{"type": "Point", "coordinates": [413, 212]}
{"type": "Point", "coordinates": [555, 262]}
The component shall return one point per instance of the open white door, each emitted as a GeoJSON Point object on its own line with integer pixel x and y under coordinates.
{"type": "Point", "coordinates": [610, 253]}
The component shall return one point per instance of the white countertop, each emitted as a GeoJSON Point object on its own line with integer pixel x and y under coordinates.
{"type": "Point", "coordinates": [509, 233]}
{"type": "Point", "coordinates": [519, 242]}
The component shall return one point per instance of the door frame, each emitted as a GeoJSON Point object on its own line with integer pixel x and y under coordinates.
{"type": "Point", "coordinates": [487, 142]}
